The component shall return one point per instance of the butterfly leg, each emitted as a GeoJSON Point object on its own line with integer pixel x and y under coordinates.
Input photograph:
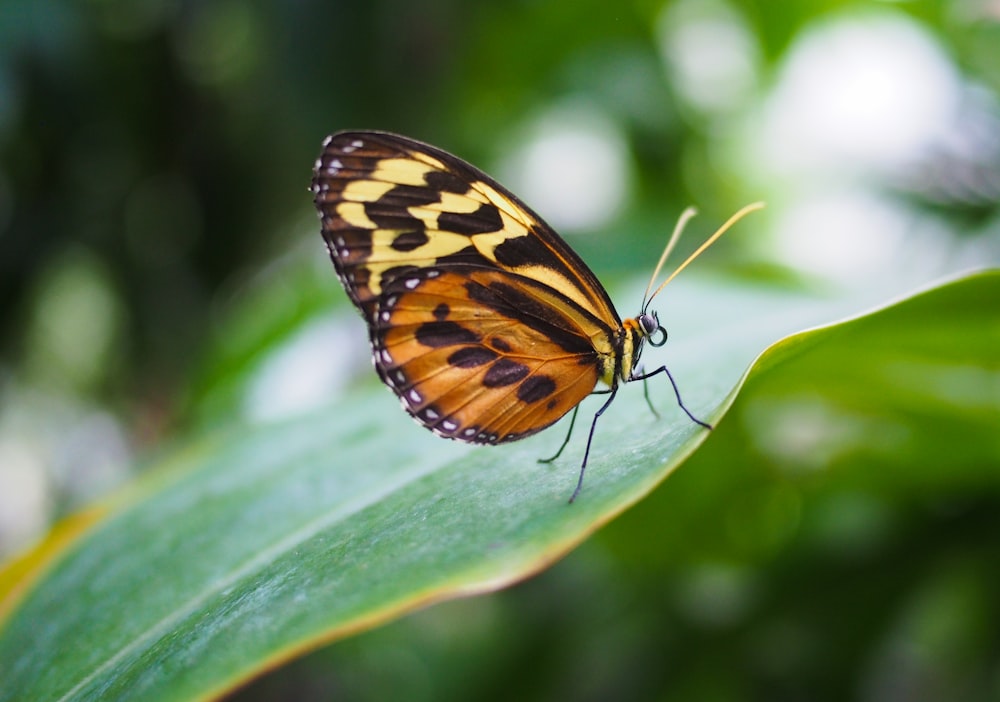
{"type": "Point", "coordinates": [590, 437]}
{"type": "Point", "coordinates": [572, 421]}
{"type": "Point", "coordinates": [677, 393]}
{"type": "Point", "coordinates": [649, 402]}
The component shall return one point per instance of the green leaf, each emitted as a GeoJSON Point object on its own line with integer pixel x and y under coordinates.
{"type": "Point", "coordinates": [248, 547]}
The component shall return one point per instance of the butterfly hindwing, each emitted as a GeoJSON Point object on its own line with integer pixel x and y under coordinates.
{"type": "Point", "coordinates": [457, 352]}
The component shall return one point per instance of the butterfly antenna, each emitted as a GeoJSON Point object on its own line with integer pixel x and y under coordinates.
{"type": "Point", "coordinates": [743, 212]}
{"type": "Point", "coordinates": [682, 221]}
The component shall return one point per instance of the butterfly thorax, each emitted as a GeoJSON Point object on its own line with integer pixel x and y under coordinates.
{"type": "Point", "coordinates": [627, 349]}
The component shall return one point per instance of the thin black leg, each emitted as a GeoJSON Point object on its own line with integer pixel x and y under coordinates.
{"type": "Point", "coordinates": [590, 437]}
{"type": "Point", "coordinates": [677, 393]}
{"type": "Point", "coordinates": [572, 421]}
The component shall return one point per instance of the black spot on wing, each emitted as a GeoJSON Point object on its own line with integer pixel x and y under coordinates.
{"type": "Point", "coordinates": [537, 388]}
{"type": "Point", "coordinates": [520, 250]}
{"type": "Point", "coordinates": [438, 334]}
{"type": "Point", "coordinates": [499, 344]}
{"type": "Point", "coordinates": [504, 372]}
{"type": "Point", "coordinates": [441, 312]}
{"type": "Point", "coordinates": [403, 196]}
{"type": "Point", "coordinates": [408, 241]}
{"type": "Point", "coordinates": [471, 357]}
{"type": "Point", "coordinates": [446, 182]}
{"type": "Point", "coordinates": [484, 220]}
{"type": "Point", "coordinates": [393, 220]}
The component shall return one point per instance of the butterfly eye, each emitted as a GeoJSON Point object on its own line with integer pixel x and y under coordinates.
{"type": "Point", "coordinates": [651, 328]}
{"type": "Point", "coordinates": [649, 323]}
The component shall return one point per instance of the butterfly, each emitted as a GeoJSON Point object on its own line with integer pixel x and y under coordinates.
{"type": "Point", "coordinates": [482, 320]}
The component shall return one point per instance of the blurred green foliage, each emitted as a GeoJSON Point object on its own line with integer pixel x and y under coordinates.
{"type": "Point", "coordinates": [157, 246]}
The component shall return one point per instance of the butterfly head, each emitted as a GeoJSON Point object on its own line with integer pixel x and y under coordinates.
{"type": "Point", "coordinates": [649, 324]}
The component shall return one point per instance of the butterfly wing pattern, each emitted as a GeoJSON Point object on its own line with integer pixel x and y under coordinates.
{"type": "Point", "coordinates": [482, 320]}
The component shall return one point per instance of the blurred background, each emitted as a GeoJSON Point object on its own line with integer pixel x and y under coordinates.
{"type": "Point", "coordinates": [161, 274]}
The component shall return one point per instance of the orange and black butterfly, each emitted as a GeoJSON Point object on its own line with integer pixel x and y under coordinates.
{"type": "Point", "coordinates": [482, 320]}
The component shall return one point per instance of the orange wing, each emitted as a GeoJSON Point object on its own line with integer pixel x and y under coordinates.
{"type": "Point", "coordinates": [476, 355]}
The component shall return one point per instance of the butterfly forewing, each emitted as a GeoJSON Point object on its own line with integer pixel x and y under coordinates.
{"type": "Point", "coordinates": [389, 202]}
{"type": "Point", "coordinates": [482, 320]}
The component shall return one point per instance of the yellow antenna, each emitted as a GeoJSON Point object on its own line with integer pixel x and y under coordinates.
{"type": "Point", "coordinates": [687, 214]}
{"type": "Point", "coordinates": [682, 221]}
